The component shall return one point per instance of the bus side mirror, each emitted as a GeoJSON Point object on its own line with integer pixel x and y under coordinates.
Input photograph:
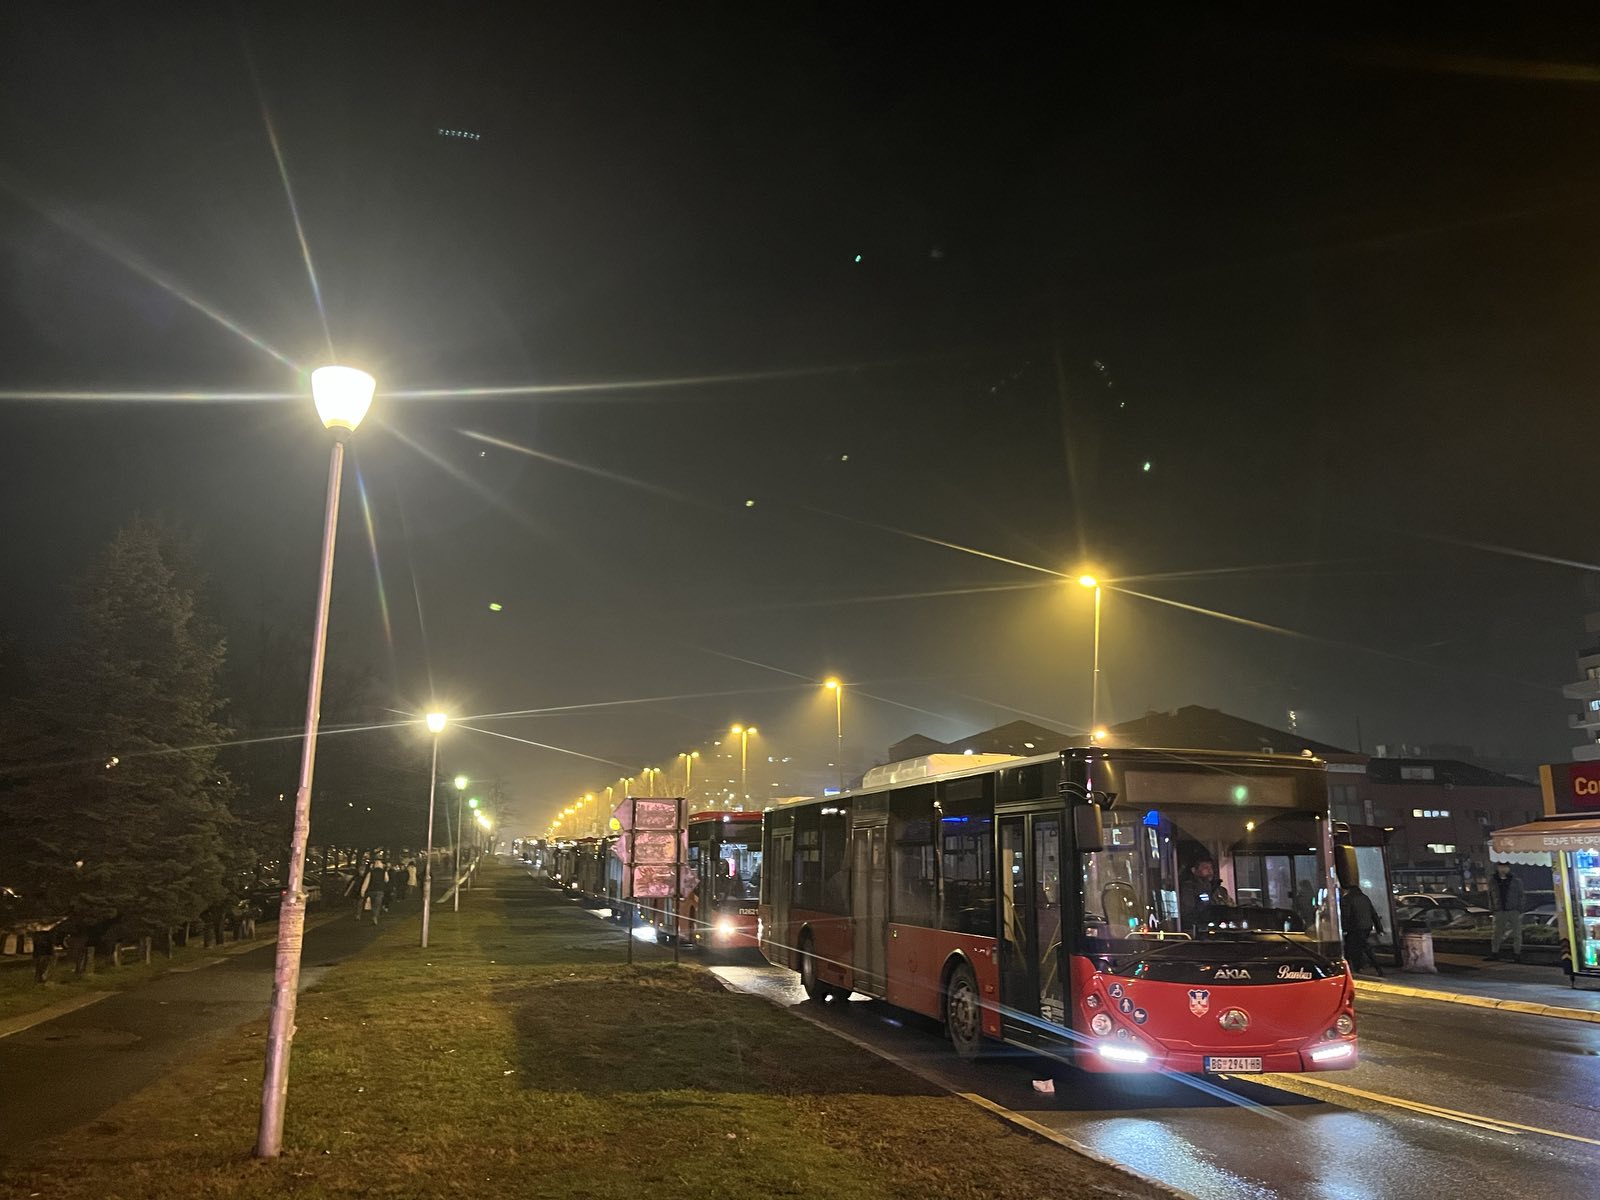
{"type": "Point", "coordinates": [1344, 865]}
{"type": "Point", "coordinates": [1088, 827]}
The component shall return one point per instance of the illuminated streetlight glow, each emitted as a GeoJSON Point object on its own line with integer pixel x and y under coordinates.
{"type": "Point", "coordinates": [1088, 581]}
{"type": "Point", "coordinates": [461, 782]}
{"type": "Point", "coordinates": [436, 722]}
{"type": "Point", "coordinates": [342, 396]}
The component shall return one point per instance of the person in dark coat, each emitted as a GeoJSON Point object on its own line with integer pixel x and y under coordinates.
{"type": "Point", "coordinates": [1360, 920]}
{"type": "Point", "coordinates": [44, 953]}
{"type": "Point", "coordinates": [1506, 901]}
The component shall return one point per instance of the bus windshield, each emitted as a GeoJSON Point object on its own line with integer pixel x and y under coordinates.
{"type": "Point", "coordinates": [1211, 873]}
{"type": "Point", "coordinates": [736, 873]}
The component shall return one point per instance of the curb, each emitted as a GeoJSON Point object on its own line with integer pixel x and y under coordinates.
{"type": "Point", "coordinates": [1525, 1007]}
{"type": "Point", "coordinates": [40, 1015]}
{"type": "Point", "coordinates": [1014, 1119]}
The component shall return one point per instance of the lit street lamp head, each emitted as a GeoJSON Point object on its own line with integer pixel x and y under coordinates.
{"type": "Point", "coordinates": [342, 396]}
{"type": "Point", "coordinates": [461, 782]}
{"type": "Point", "coordinates": [1088, 581]}
{"type": "Point", "coordinates": [436, 722]}
{"type": "Point", "coordinates": [831, 684]}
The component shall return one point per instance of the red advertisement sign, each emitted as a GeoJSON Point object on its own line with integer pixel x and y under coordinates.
{"type": "Point", "coordinates": [1572, 787]}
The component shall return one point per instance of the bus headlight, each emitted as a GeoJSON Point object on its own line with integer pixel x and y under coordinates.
{"type": "Point", "coordinates": [1323, 1053]}
{"type": "Point", "coordinates": [1100, 1023]}
{"type": "Point", "coordinates": [1123, 1054]}
{"type": "Point", "coordinates": [1345, 1025]}
{"type": "Point", "coordinates": [725, 928]}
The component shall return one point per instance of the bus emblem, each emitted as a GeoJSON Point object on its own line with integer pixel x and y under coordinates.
{"type": "Point", "coordinates": [1234, 1020]}
{"type": "Point", "coordinates": [1199, 1001]}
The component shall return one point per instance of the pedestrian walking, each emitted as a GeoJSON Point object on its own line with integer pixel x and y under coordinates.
{"type": "Point", "coordinates": [44, 953]}
{"type": "Point", "coordinates": [397, 883]}
{"type": "Point", "coordinates": [1360, 921]}
{"type": "Point", "coordinates": [1506, 902]}
{"type": "Point", "coordinates": [377, 889]}
{"type": "Point", "coordinates": [411, 873]}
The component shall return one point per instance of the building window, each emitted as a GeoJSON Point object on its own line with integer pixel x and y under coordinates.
{"type": "Point", "coordinates": [1594, 706]}
{"type": "Point", "coordinates": [1419, 773]}
{"type": "Point", "coordinates": [1442, 847]}
{"type": "Point", "coordinates": [1430, 812]}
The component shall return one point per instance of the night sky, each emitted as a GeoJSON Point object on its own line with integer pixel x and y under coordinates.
{"type": "Point", "coordinates": [962, 277]}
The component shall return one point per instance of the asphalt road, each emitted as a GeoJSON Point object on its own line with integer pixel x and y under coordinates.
{"type": "Point", "coordinates": [64, 1073]}
{"type": "Point", "coordinates": [1456, 1101]}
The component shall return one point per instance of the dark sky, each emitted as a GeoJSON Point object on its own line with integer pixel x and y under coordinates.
{"type": "Point", "coordinates": [1336, 285]}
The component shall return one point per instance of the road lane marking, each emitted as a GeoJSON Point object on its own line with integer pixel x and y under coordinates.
{"type": "Point", "coordinates": [1493, 1124]}
{"type": "Point", "coordinates": [39, 1017]}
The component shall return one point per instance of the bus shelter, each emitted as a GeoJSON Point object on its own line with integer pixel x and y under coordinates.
{"type": "Point", "coordinates": [1570, 847]}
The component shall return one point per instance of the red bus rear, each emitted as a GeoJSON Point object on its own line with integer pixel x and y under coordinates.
{"type": "Point", "coordinates": [1124, 909]}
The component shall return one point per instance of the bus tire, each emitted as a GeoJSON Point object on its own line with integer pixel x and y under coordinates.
{"type": "Point", "coordinates": [963, 1012]}
{"type": "Point", "coordinates": [810, 979]}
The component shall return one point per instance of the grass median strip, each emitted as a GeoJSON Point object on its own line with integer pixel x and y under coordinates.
{"type": "Point", "coordinates": [519, 1057]}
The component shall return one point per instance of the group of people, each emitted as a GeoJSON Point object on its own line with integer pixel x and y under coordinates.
{"type": "Point", "coordinates": [378, 886]}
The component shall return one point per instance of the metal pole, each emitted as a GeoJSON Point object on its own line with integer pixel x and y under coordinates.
{"type": "Point", "coordinates": [838, 717]}
{"type": "Point", "coordinates": [677, 871]}
{"type": "Point", "coordinates": [461, 837]}
{"type": "Point", "coordinates": [1094, 697]}
{"type": "Point", "coordinates": [627, 886]}
{"type": "Point", "coordinates": [292, 915]}
{"type": "Point", "coordinates": [427, 861]}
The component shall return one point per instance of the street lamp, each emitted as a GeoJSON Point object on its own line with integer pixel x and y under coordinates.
{"type": "Point", "coordinates": [342, 396]}
{"type": "Point", "coordinates": [1089, 581]}
{"type": "Point", "coordinates": [688, 757]}
{"type": "Point", "coordinates": [461, 782]}
{"type": "Point", "coordinates": [651, 774]}
{"type": "Point", "coordinates": [743, 733]}
{"type": "Point", "coordinates": [837, 688]}
{"type": "Point", "coordinates": [436, 724]}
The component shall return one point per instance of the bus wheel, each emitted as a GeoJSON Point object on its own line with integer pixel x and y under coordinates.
{"type": "Point", "coordinates": [963, 1014]}
{"type": "Point", "coordinates": [809, 979]}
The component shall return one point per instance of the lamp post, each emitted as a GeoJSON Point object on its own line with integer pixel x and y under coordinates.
{"type": "Point", "coordinates": [461, 782]}
{"type": "Point", "coordinates": [342, 396]}
{"type": "Point", "coordinates": [688, 757]}
{"type": "Point", "coordinates": [436, 724]}
{"type": "Point", "coordinates": [473, 805]}
{"type": "Point", "coordinates": [743, 733]}
{"type": "Point", "coordinates": [1089, 581]}
{"type": "Point", "coordinates": [837, 688]}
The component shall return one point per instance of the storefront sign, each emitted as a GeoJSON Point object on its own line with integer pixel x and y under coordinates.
{"type": "Point", "coordinates": [1571, 787]}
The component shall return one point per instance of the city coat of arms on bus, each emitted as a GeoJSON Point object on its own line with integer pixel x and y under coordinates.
{"type": "Point", "coordinates": [1199, 1001]}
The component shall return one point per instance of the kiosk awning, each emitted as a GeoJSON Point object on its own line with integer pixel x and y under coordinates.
{"type": "Point", "coordinates": [1532, 844]}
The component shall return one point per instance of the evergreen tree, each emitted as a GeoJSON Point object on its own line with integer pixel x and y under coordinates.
{"type": "Point", "coordinates": [119, 813]}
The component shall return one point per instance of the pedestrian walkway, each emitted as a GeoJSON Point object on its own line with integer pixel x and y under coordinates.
{"type": "Point", "coordinates": [1513, 987]}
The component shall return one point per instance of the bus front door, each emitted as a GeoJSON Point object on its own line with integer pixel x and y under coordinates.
{"type": "Point", "coordinates": [868, 891]}
{"type": "Point", "coordinates": [779, 869]}
{"type": "Point", "coordinates": [1030, 919]}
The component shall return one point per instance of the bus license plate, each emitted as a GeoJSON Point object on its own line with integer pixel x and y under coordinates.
{"type": "Point", "coordinates": [1248, 1066]}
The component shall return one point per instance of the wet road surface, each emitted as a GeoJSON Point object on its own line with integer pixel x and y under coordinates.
{"type": "Point", "coordinates": [1448, 1100]}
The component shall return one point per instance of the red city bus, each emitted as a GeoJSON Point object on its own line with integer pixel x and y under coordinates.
{"type": "Point", "coordinates": [1123, 909]}
{"type": "Point", "coordinates": [722, 912]}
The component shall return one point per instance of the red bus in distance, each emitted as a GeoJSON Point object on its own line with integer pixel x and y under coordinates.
{"type": "Point", "coordinates": [721, 912]}
{"type": "Point", "coordinates": [1123, 909]}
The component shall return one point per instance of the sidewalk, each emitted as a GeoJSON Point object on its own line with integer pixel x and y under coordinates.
{"type": "Point", "coordinates": [1509, 986]}
{"type": "Point", "coordinates": [518, 1056]}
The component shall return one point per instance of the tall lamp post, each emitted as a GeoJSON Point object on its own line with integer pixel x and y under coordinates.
{"type": "Point", "coordinates": [1089, 581]}
{"type": "Point", "coordinates": [461, 782]}
{"type": "Point", "coordinates": [837, 688]}
{"type": "Point", "coordinates": [688, 757]}
{"type": "Point", "coordinates": [436, 724]}
{"type": "Point", "coordinates": [743, 733]}
{"type": "Point", "coordinates": [342, 396]}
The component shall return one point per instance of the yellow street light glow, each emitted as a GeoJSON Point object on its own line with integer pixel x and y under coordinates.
{"type": "Point", "coordinates": [436, 722]}
{"type": "Point", "coordinates": [736, 730]}
{"type": "Point", "coordinates": [461, 782]}
{"type": "Point", "coordinates": [1101, 734]}
{"type": "Point", "coordinates": [1088, 581]}
{"type": "Point", "coordinates": [831, 684]}
{"type": "Point", "coordinates": [342, 396]}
